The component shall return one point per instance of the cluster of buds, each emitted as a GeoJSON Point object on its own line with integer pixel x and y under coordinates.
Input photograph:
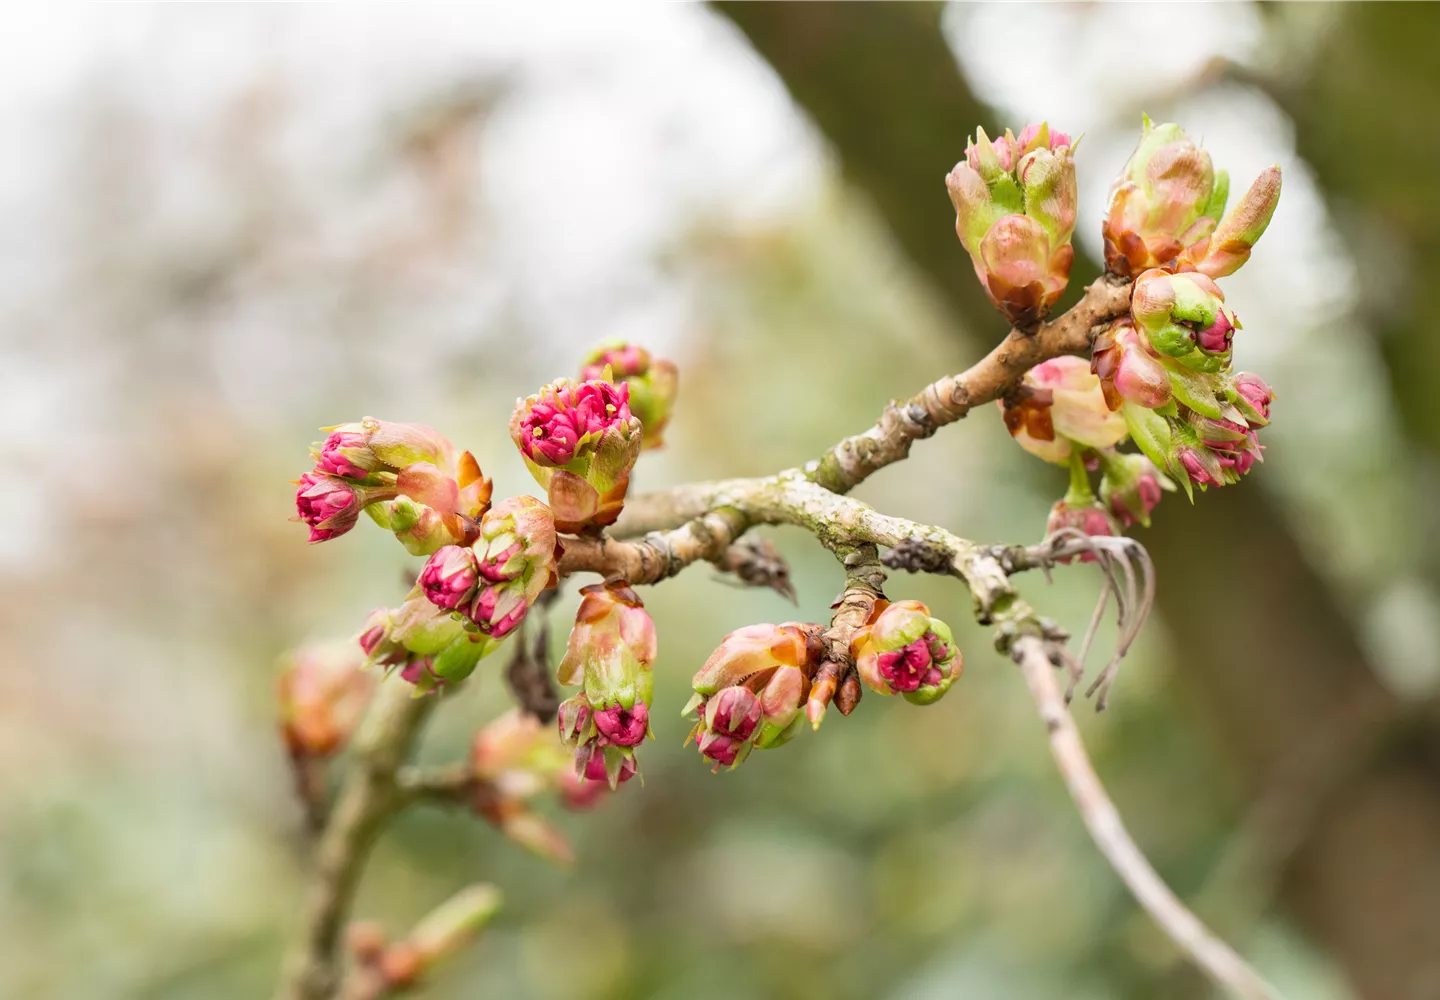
{"type": "Point", "coordinates": [491, 584]}
{"type": "Point", "coordinates": [580, 441]}
{"type": "Point", "coordinates": [1015, 203]}
{"type": "Point", "coordinates": [652, 383]}
{"type": "Point", "coordinates": [322, 695]}
{"type": "Point", "coordinates": [384, 967]}
{"type": "Point", "coordinates": [408, 478]}
{"type": "Point", "coordinates": [611, 652]}
{"type": "Point", "coordinates": [750, 692]}
{"type": "Point", "coordinates": [904, 651]}
{"type": "Point", "coordinates": [426, 645]}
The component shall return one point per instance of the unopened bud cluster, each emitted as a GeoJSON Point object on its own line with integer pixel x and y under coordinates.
{"type": "Point", "coordinates": [1162, 374]}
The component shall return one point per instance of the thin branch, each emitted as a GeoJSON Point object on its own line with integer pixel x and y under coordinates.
{"type": "Point", "coordinates": [367, 799]}
{"type": "Point", "coordinates": [1212, 955]}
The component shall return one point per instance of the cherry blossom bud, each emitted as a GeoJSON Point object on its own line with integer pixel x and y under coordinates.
{"type": "Point", "coordinates": [328, 504]}
{"type": "Point", "coordinates": [1087, 517]}
{"type": "Point", "coordinates": [1226, 249]}
{"type": "Point", "coordinates": [323, 695]}
{"type": "Point", "coordinates": [576, 720]}
{"type": "Point", "coordinates": [1131, 487]}
{"type": "Point", "coordinates": [904, 651]}
{"type": "Point", "coordinates": [609, 766]}
{"type": "Point", "coordinates": [345, 453]}
{"type": "Point", "coordinates": [1015, 202]}
{"type": "Point", "coordinates": [1057, 404]}
{"type": "Point", "coordinates": [1253, 397]}
{"type": "Point", "coordinates": [431, 644]}
{"type": "Point", "coordinates": [579, 441]}
{"type": "Point", "coordinates": [1127, 369]}
{"type": "Point", "coordinates": [611, 650]}
{"type": "Point", "coordinates": [750, 692]}
{"type": "Point", "coordinates": [652, 382]}
{"type": "Point", "coordinates": [1168, 197]}
{"type": "Point", "coordinates": [518, 556]}
{"type": "Point", "coordinates": [1183, 316]}
{"type": "Point", "coordinates": [449, 579]}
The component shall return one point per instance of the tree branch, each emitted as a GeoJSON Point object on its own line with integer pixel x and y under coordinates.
{"type": "Point", "coordinates": [368, 798]}
{"type": "Point", "coordinates": [1102, 819]}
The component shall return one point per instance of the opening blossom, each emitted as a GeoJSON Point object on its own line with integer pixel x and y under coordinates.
{"type": "Point", "coordinates": [905, 651]}
{"type": "Point", "coordinates": [1015, 203]}
{"type": "Point", "coordinates": [1058, 405]}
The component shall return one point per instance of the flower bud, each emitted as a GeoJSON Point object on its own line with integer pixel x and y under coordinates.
{"type": "Point", "coordinates": [1057, 404]}
{"type": "Point", "coordinates": [323, 695]}
{"type": "Point", "coordinates": [576, 720]}
{"type": "Point", "coordinates": [1127, 369]}
{"type": "Point", "coordinates": [1015, 202]}
{"type": "Point", "coordinates": [328, 504]}
{"type": "Point", "coordinates": [652, 383]}
{"type": "Point", "coordinates": [1253, 397]}
{"type": "Point", "coordinates": [750, 692]}
{"type": "Point", "coordinates": [449, 579]}
{"type": "Point", "coordinates": [904, 651]}
{"type": "Point", "coordinates": [610, 766]}
{"type": "Point", "coordinates": [1183, 316]}
{"type": "Point", "coordinates": [611, 650]}
{"type": "Point", "coordinates": [1168, 197]}
{"type": "Point", "coordinates": [579, 441]}
{"type": "Point", "coordinates": [1226, 249]}
{"type": "Point", "coordinates": [1131, 487]}
{"type": "Point", "coordinates": [517, 561]}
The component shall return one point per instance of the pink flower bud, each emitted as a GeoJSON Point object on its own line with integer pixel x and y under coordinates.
{"type": "Point", "coordinates": [1253, 396]}
{"type": "Point", "coordinates": [733, 712]}
{"type": "Point", "coordinates": [623, 727]}
{"type": "Point", "coordinates": [498, 610]}
{"type": "Point", "coordinates": [557, 423]}
{"type": "Point", "coordinates": [1180, 314]}
{"type": "Point", "coordinates": [1088, 518]}
{"type": "Point", "coordinates": [652, 383]}
{"type": "Point", "coordinates": [1216, 337]}
{"type": "Point", "coordinates": [420, 673]}
{"type": "Point", "coordinates": [595, 769]}
{"type": "Point", "coordinates": [576, 720]}
{"type": "Point", "coordinates": [450, 577]}
{"type": "Point", "coordinates": [322, 695]}
{"type": "Point", "coordinates": [905, 651]}
{"type": "Point", "coordinates": [1131, 487]}
{"type": "Point", "coordinates": [1195, 465]}
{"type": "Point", "coordinates": [1127, 369]}
{"type": "Point", "coordinates": [341, 453]}
{"type": "Point", "coordinates": [1057, 404]}
{"type": "Point", "coordinates": [328, 504]}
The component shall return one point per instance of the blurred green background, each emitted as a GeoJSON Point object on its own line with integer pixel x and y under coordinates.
{"type": "Point", "coordinates": [228, 226]}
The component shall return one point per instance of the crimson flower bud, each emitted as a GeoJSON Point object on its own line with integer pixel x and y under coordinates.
{"type": "Point", "coordinates": [1168, 197]}
{"type": "Point", "coordinates": [576, 720]}
{"type": "Point", "coordinates": [1183, 316]}
{"type": "Point", "coordinates": [902, 650]}
{"type": "Point", "coordinates": [1015, 202]}
{"type": "Point", "coordinates": [611, 765]}
{"type": "Point", "coordinates": [1060, 403]}
{"type": "Point", "coordinates": [342, 455]}
{"type": "Point", "coordinates": [1085, 516]}
{"type": "Point", "coordinates": [579, 441]}
{"type": "Point", "coordinates": [624, 727]}
{"type": "Point", "coordinates": [328, 504]}
{"type": "Point", "coordinates": [322, 696]}
{"type": "Point", "coordinates": [449, 579]}
{"type": "Point", "coordinates": [518, 553]}
{"type": "Point", "coordinates": [1253, 397]}
{"type": "Point", "coordinates": [652, 383]}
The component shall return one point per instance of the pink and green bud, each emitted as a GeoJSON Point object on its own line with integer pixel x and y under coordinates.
{"type": "Point", "coordinates": [416, 628]}
{"type": "Point", "coordinates": [322, 694]}
{"type": "Point", "coordinates": [1131, 487]}
{"type": "Point", "coordinates": [1183, 316]}
{"type": "Point", "coordinates": [611, 651]}
{"type": "Point", "coordinates": [1015, 202]}
{"type": "Point", "coordinates": [576, 720]}
{"type": "Point", "coordinates": [1058, 404]}
{"type": "Point", "coordinates": [517, 561]}
{"type": "Point", "coordinates": [328, 504]}
{"type": "Point", "coordinates": [1168, 197]}
{"type": "Point", "coordinates": [905, 651]}
{"type": "Point", "coordinates": [421, 673]}
{"type": "Point", "coordinates": [450, 578]}
{"type": "Point", "coordinates": [356, 450]}
{"type": "Point", "coordinates": [1226, 249]}
{"type": "Point", "coordinates": [1253, 397]}
{"type": "Point", "coordinates": [606, 765]}
{"type": "Point", "coordinates": [652, 382]}
{"type": "Point", "coordinates": [750, 693]}
{"type": "Point", "coordinates": [580, 441]}
{"type": "Point", "coordinates": [345, 453]}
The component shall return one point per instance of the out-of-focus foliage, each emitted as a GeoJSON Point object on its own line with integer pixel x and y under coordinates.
{"type": "Point", "coordinates": [229, 227]}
